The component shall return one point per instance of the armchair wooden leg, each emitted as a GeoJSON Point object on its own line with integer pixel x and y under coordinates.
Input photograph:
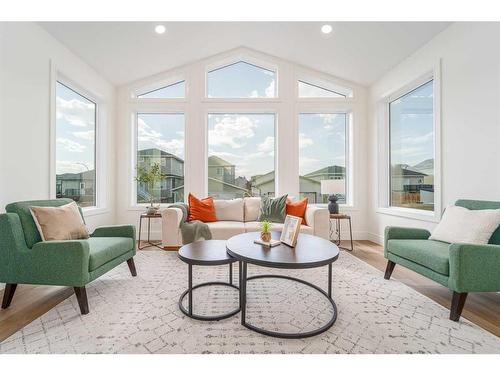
{"type": "Point", "coordinates": [389, 269]}
{"type": "Point", "coordinates": [131, 266]}
{"type": "Point", "coordinates": [457, 305]}
{"type": "Point", "coordinates": [8, 294]}
{"type": "Point", "coordinates": [81, 296]}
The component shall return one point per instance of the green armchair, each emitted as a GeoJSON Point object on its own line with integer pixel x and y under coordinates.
{"type": "Point", "coordinates": [25, 259]}
{"type": "Point", "coordinates": [463, 268]}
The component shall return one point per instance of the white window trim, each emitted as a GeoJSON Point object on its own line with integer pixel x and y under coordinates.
{"type": "Point", "coordinates": [434, 73]}
{"type": "Point", "coordinates": [101, 195]}
{"type": "Point", "coordinates": [286, 108]}
{"type": "Point", "coordinates": [159, 84]}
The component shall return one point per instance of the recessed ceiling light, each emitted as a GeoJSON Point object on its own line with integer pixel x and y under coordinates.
{"type": "Point", "coordinates": [160, 29]}
{"type": "Point", "coordinates": [326, 29]}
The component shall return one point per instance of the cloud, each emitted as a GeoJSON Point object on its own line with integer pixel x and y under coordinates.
{"type": "Point", "coordinates": [70, 145]}
{"type": "Point", "coordinates": [148, 135]}
{"type": "Point", "coordinates": [307, 163]}
{"type": "Point", "coordinates": [87, 135]}
{"type": "Point", "coordinates": [270, 90]}
{"type": "Point", "coordinates": [267, 146]}
{"type": "Point", "coordinates": [76, 112]}
{"type": "Point", "coordinates": [305, 141]}
{"type": "Point", "coordinates": [231, 131]}
{"type": "Point", "coordinates": [66, 166]}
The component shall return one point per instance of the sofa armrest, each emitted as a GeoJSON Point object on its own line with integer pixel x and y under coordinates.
{"type": "Point", "coordinates": [319, 219]}
{"type": "Point", "coordinates": [474, 268]}
{"type": "Point", "coordinates": [56, 263]}
{"type": "Point", "coordinates": [401, 233]}
{"type": "Point", "coordinates": [171, 234]}
{"type": "Point", "coordinates": [115, 231]}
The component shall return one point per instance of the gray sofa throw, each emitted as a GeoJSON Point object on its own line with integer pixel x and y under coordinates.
{"type": "Point", "coordinates": [191, 230]}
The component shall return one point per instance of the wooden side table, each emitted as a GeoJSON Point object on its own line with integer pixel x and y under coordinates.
{"type": "Point", "coordinates": [148, 242]}
{"type": "Point", "coordinates": [339, 218]}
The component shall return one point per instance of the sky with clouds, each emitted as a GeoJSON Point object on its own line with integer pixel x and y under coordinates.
{"type": "Point", "coordinates": [75, 131]}
{"type": "Point", "coordinates": [412, 130]}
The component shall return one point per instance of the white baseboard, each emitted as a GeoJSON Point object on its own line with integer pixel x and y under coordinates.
{"type": "Point", "coordinates": [375, 238]}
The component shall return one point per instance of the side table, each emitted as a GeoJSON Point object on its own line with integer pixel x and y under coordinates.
{"type": "Point", "coordinates": [338, 218]}
{"type": "Point", "coordinates": [148, 242]}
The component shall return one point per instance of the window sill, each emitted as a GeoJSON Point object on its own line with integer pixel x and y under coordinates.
{"type": "Point", "coordinates": [93, 211]}
{"type": "Point", "coordinates": [342, 207]}
{"type": "Point", "coordinates": [408, 213]}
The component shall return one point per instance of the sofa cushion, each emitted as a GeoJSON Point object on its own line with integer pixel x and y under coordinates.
{"type": "Point", "coordinates": [59, 223]}
{"type": "Point", "coordinates": [229, 210]}
{"type": "Point", "coordinates": [482, 205]}
{"type": "Point", "coordinates": [254, 226]}
{"type": "Point", "coordinates": [223, 230]}
{"type": "Point", "coordinates": [427, 253]}
{"type": "Point", "coordinates": [22, 209]}
{"type": "Point", "coordinates": [105, 249]}
{"type": "Point", "coordinates": [461, 225]}
{"type": "Point", "coordinates": [297, 209]}
{"type": "Point", "coordinates": [273, 209]}
{"type": "Point", "coordinates": [251, 208]}
{"type": "Point", "coordinates": [201, 209]}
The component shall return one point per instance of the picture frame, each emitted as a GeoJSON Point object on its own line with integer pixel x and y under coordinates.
{"type": "Point", "coordinates": [291, 229]}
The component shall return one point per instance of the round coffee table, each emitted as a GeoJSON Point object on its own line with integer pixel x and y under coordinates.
{"type": "Point", "coordinates": [309, 252]}
{"type": "Point", "coordinates": [205, 253]}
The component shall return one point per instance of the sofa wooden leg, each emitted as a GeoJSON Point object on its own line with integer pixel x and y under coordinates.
{"type": "Point", "coordinates": [8, 294]}
{"type": "Point", "coordinates": [457, 305]}
{"type": "Point", "coordinates": [81, 296]}
{"type": "Point", "coordinates": [131, 266]}
{"type": "Point", "coordinates": [389, 269]}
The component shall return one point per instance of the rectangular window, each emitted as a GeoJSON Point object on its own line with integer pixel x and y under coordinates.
{"type": "Point", "coordinates": [241, 155]}
{"type": "Point", "coordinates": [411, 133]}
{"type": "Point", "coordinates": [322, 155]}
{"type": "Point", "coordinates": [75, 146]}
{"type": "Point", "coordinates": [160, 146]}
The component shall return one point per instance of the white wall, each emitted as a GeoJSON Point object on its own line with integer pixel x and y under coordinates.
{"type": "Point", "coordinates": [26, 51]}
{"type": "Point", "coordinates": [470, 116]}
{"type": "Point", "coordinates": [197, 107]}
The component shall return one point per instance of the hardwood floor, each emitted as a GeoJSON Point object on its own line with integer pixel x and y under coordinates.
{"type": "Point", "coordinates": [32, 301]}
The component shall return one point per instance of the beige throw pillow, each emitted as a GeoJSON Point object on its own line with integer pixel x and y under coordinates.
{"type": "Point", "coordinates": [59, 223]}
{"type": "Point", "coordinates": [229, 210]}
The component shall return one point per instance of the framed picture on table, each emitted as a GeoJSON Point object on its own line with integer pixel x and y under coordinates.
{"type": "Point", "coordinates": [291, 229]}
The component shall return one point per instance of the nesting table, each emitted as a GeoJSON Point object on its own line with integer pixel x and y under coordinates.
{"type": "Point", "coordinates": [309, 252]}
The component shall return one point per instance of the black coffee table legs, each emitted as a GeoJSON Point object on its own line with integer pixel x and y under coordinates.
{"type": "Point", "coordinates": [189, 292]}
{"type": "Point", "coordinates": [302, 335]}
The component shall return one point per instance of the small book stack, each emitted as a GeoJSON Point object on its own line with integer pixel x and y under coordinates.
{"type": "Point", "coordinates": [271, 243]}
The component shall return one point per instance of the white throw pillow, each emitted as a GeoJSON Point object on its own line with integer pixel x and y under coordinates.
{"type": "Point", "coordinates": [460, 225]}
{"type": "Point", "coordinates": [229, 210]}
{"type": "Point", "coordinates": [252, 208]}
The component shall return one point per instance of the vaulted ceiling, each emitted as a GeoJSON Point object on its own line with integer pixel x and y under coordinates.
{"type": "Point", "coordinates": [360, 52]}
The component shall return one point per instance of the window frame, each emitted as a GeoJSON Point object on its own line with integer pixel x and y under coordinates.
{"type": "Point", "coordinates": [243, 112]}
{"type": "Point", "coordinates": [101, 192]}
{"type": "Point", "coordinates": [349, 193]}
{"type": "Point", "coordinates": [384, 163]}
{"type": "Point", "coordinates": [135, 117]}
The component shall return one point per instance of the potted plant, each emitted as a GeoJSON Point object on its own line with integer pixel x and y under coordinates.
{"type": "Point", "coordinates": [265, 233]}
{"type": "Point", "coordinates": [150, 177]}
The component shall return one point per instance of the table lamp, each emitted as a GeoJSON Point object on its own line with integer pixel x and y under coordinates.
{"type": "Point", "coordinates": [333, 187]}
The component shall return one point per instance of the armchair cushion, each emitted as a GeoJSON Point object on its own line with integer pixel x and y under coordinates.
{"type": "Point", "coordinates": [22, 209]}
{"type": "Point", "coordinates": [105, 249]}
{"type": "Point", "coordinates": [431, 254]}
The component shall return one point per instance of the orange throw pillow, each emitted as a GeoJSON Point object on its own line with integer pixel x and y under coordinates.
{"type": "Point", "coordinates": [201, 209]}
{"type": "Point", "coordinates": [297, 209]}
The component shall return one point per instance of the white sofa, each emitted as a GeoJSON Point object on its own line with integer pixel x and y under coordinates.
{"type": "Point", "coordinates": [238, 216]}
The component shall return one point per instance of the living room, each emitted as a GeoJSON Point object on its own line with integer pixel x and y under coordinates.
{"type": "Point", "coordinates": [294, 186]}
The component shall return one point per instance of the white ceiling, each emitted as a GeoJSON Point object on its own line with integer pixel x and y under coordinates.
{"type": "Point", "coordinates": [357, 51]}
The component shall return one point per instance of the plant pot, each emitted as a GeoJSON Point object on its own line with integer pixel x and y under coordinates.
{"type": "Point", "coordinates": [265, 236]}
{"type": "Point", "coordinates": [151, 210]}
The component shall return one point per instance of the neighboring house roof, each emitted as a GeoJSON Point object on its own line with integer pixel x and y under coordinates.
{"type": "Point", "coordinates": [85, 175]}
{"type": "Point", "coordinates": [405, 171]}
{"type": "Point", "coordinates": [215, 161]}
{"type": "Point", "coordinates": [331, 169]}
{"type": "Point", "coordinates": [228, 184]}
{"type": "Point", "coordinates": [156, 151]}
{"type": "Point", "coordinates": [268, 177]}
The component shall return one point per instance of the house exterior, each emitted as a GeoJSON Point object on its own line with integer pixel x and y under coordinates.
{"type": "Point", "coordinates": [411, 188]}
{"type": "Point", "coordinates": [77, 186]}
{"type": "Point", "coordinates": [171, 188]}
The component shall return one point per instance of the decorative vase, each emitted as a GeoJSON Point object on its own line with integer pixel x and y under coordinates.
{"type": "Point", "coordinates": [333, 206]}
{"type": "Point", "coordinates": [265, 236]}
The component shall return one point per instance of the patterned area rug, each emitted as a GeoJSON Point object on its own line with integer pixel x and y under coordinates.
{"type": "Point", "coordinates": [140, 315]}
